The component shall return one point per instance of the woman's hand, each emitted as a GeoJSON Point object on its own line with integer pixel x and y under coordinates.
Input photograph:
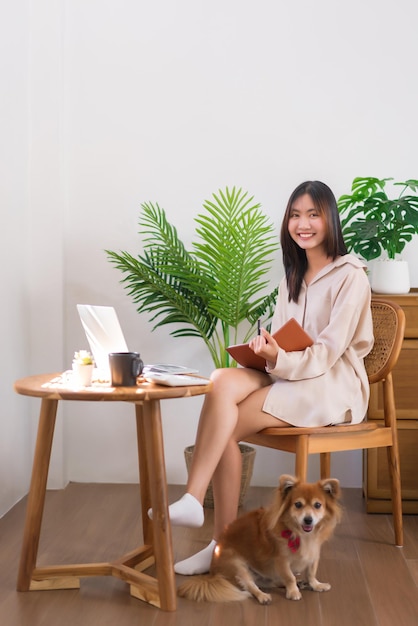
{"type": "Point", "coordinates": [265, 346]}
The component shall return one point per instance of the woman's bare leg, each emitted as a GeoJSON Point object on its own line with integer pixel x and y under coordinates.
{"type": "Point", "coordinates": [227, 416]}
{"type": "Point", "coordinates": [249, 418]}
{"type": "Point", "coordinates": [217, 424]}
{"type": "Point", "coordinates": [226, 483]}
{"type": "Point", "coordinates": [226, 480]}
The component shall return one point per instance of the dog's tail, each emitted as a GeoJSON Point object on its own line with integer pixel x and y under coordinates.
{"type": "Point", "coordinates": [211, 588]}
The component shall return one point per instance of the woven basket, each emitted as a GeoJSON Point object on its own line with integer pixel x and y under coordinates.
{"type": "Point", "coordinates": [248, 455]}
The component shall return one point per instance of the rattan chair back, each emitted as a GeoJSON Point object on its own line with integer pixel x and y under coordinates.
{"type": "Point", "coordinates": [388, 325]}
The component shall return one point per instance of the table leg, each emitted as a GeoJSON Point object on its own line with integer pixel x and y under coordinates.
{"type": "Point", "coordinates": [149, 417]}
{"type": "Point", "coordinates": [36, 497]}
{"type": "Point", "coordinates": [144, 481]}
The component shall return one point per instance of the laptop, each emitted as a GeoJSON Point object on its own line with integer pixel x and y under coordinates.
{"type": "Point", "coordinates": [104, 334]}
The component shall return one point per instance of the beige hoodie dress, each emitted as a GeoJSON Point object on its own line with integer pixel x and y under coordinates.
{"type": "Point", "coordinates": [326, 383]}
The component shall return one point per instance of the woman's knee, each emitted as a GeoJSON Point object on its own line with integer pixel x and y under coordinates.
{"type": "Point", "coordinates": [240, 374]}
{"type": "Point", "coordinates": [222, 375]}
{"type": "Point", "coordinates": [223, 383]}
{"type": "Point", "coordinates": [229, 379]}
{"type": "Point", "coordinates": [236, 384]}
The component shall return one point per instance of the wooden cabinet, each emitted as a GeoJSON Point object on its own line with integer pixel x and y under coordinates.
{"type": "Point", "coordinates": [405, 378]}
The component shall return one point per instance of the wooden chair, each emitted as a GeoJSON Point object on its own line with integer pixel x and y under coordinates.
{"type": "Point", "coordinates": [389, 327]}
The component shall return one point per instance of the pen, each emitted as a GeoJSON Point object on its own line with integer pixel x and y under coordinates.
{"type": "Point", "coordinates": [258, 327]}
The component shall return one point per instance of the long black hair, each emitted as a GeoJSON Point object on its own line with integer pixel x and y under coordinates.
{"type": "Point", "coordinates": [294, 258]}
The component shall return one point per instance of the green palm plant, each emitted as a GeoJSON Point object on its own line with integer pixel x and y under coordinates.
{"type": "Point", "coordinates": [215, 291]}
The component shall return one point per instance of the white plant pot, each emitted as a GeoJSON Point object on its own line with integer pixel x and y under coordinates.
{"type": "Point", "coordinates": [390, 277]}
{"type": "Point", "coordinates": [82, 374]}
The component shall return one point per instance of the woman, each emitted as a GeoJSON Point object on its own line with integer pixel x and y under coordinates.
{"type": "Point", "coordinates": [328, 292]}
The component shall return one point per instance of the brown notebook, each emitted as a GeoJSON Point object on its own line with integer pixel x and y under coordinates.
{"type": "Point", "coordinates": [290, 337]}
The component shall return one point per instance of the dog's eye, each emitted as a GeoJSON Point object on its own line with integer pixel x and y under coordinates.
{"type": "Point", "coordinates": [317, 505]}
{"type": "Point", "coordinates": [298, 505]}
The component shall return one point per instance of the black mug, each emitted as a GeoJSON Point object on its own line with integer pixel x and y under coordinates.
{"type": "Point", "coordinates": [125, 367]}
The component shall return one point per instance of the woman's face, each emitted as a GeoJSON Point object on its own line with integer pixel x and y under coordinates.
{"type": "Point", "coordinates": [306, 225]}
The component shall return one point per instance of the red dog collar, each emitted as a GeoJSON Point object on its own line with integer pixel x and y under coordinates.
{"type": "Point", "coordinates": [292, 541]}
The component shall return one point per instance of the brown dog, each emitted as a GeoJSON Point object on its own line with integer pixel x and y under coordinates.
{"type": "Point", "coordinates": [273, 543]}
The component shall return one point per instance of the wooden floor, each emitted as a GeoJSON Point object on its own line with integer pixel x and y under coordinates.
{"type": "Point", "coordinates": [373, 582]}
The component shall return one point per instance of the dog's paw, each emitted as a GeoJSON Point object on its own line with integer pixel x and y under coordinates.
{"type": "Point", "coordinates": [317, 586]}
{"type": "Point", "coordinates": [293, 593]}
{"type": "Point", "coordinates": [263, 598]}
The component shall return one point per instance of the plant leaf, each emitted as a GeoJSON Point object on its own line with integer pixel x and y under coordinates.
{"type": "Point", "coordinates": [373, 223]}
{"type": "Point", "coordinates": [218, 286]}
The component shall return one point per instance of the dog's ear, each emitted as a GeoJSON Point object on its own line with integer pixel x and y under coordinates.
{"type": "Point", "coordinates": [286, 483]}
{"type": "Point", "coordinates": [280, 502]}
{"type": "Point", "coordinates": [331, 486]}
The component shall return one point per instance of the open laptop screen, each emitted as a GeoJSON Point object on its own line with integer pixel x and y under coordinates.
{"type": "Point", "coordinates": [103, 333]}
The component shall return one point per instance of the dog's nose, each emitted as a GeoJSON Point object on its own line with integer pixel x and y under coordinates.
{"type": "Point", "coordinates": [308, 520]}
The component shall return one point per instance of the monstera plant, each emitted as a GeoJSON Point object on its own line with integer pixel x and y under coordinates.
{"type": "Point", "coordinates": [219, 288]}
{"type": "Point", "coordinates": [373, 223]}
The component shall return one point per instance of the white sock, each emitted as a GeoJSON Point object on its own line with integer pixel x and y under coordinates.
{"type": "Point", "coordinates": [199, 563]}
{"type": "Point", "coordinates": [185, 512]}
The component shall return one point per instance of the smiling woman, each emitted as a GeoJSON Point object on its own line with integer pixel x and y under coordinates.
{"type": "Point", "coordinates": [327, 291]}
{"type": "Point", "coordinates": [312, 223]}
{"type": "Point", "coordinates": [307, 227]}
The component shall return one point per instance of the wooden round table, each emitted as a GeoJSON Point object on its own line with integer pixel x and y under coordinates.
{"type": "Point", "coordinates": [157, 545]}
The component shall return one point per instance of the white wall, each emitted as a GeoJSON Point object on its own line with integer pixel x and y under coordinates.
{"type": "Point", "coordinates": [14, 326]}
{"type": "Point", "coordinates": [117, 102]}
